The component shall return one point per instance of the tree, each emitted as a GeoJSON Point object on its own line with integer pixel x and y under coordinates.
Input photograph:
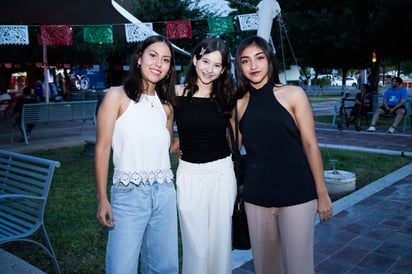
{"type": "Point", "coordinates": [341, 34]}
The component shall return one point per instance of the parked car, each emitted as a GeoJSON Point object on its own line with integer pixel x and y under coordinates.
{"type": "Point", "coordinates": [321, 76]}
{"type": "Point", "coordinates": [350, 81]}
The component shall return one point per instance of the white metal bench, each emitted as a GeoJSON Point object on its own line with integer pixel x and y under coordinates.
{"type": "Point", "coordinates": [24, 187]}
{"type": "Point", "coordinates": [43, 113]}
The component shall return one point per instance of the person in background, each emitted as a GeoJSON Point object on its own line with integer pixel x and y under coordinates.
{"type": "Point", "coordinates": [363, 105]}
{"type": "Point", "coordinates": [135, 123]}
{"type": "Point", "coordinates": [284, 182]}
{"type": "Point", "coordinates": [394, 100]}
{"type": "Point", "coordinates": [39, 91]}
{"type": "Point", "coordinates": [205, 179]}
{"type": "Point", "coordinates": [27, 98]}
{"type": "Point", "coordinates": [4, 97]}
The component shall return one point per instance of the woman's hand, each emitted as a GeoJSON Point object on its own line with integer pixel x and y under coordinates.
{"type": "Point", "coordinates": [175, 148]}
{"type": "Point", "coordinates": [104, 214]}
{"type": "Point", "coordinates": [325, 208]}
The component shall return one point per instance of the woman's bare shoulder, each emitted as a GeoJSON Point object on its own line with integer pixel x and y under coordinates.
{"type": "Point", "coordinates": [116, 92]}
{"type": "Point", "coordinates": [288, 88]}
{"type": "Point", "coordinates": [114, 89]}
{"type": "Point", "coordinates": [116, 96]}
{"type": "Point", "coordinates": [289, 91]}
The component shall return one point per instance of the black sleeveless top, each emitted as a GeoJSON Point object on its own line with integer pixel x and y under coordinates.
{"type": "Point", "coordinates": [276, 172]}
{"type": "Point", "coordinates": [202, 130]}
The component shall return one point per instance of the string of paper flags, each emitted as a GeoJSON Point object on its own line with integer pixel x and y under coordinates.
{"type": "Point", "coordinates": [103, 34]}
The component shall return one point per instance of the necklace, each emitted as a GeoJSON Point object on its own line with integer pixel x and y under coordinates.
{"type": "Point", "coordinates": [150, 99]}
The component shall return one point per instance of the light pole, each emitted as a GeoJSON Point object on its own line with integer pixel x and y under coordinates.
{"type": "Point", "coordinates": [374, 73]}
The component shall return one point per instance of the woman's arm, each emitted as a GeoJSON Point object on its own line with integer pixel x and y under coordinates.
{"type": "Point", "coordinates": [302, 112]}
{"type": "Point", "coordinates": [106, 118]}
{"type": "Point", "coordinates": [170, 121]}
{"type": "Point", "coordinates": [241, 106]}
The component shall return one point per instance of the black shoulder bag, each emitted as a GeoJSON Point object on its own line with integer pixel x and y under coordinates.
{"type": "Point", "coordinates": [240, 231]}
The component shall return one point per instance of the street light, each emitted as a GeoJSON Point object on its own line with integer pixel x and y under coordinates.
{"type": "Point", "coordinates": [375, 73]}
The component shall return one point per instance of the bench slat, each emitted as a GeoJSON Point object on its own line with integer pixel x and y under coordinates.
{"type": "Point", "coordinates": [27, 179]}
{"type": "Point", "coordinates": [26, 206]}
{"type": "Point", "coordinates": [14, 219]}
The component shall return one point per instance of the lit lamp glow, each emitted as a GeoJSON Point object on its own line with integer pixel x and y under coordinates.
{"type": "Point", "coordinates": [373, 57]}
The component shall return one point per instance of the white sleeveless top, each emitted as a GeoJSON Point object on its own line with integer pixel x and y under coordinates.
{"type": "Point", "coordinates": [141, 143]}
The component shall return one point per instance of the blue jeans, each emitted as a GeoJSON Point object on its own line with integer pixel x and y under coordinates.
{"type": "Point", "coordinates": [145, 219]}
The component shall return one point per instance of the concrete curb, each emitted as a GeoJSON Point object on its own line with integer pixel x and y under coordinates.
{"type": "Point", "coordinates": [11, 264]}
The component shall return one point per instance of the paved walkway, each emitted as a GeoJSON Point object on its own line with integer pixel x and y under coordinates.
{"type": "Point", "coordinates": [371, 231]}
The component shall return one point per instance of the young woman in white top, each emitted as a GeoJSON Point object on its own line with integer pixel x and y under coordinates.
{"type": "Point", "coordinates": [135, 122]}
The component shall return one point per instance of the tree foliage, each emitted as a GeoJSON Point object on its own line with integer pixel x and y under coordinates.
{"type": "Point", "coordinates": [341, 34]}
{"type": "Point", "coordinates": [319, 33]}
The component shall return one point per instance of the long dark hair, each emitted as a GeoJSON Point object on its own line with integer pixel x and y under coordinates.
{"type": "Point", "coordinates": [243, 84]}
{"type": "Point", "coordinates": [222, 87]}
{"type": "Point", "coordinates": [134, 83]}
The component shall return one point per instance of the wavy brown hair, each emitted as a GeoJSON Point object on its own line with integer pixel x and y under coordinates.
{"type": "Point", "coordinates": [134, 83]}
{"type": "Point", "coordinates": [222, 87]}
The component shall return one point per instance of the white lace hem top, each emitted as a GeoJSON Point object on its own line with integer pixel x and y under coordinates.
{"type": "Point", "coordinates": [142, 177]}
{"type": "Point", "coordinates": [141, 143]}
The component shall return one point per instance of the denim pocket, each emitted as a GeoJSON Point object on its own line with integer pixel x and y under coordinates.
{"type": "Point", "coordinates": [122, 188]}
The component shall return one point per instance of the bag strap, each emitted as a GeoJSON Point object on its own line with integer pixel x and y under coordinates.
{"type": "Point", "coordinates": [237, 129]}
{"type": "Point", "coordinates": [234, 138]}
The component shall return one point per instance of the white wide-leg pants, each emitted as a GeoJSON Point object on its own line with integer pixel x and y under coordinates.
{"type": "Point", "coordinates": [205, 196]}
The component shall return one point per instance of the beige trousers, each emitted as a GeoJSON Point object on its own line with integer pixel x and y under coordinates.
{"type": "Point", "coordinates": [282, 238]}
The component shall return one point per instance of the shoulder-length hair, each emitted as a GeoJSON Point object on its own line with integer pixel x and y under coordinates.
{"type": "Point", "coordinates": [243, 84]}
{"type": "Point", "coordinates": [222, 87]}
{"type": "Point", "coordinates": [134, 83]}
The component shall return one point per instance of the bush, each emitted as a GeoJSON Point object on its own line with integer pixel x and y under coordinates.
{"type": "Point", "coordinates": [321, 82]}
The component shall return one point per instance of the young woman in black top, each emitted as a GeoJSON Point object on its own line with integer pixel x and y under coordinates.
{"type": "Point", "coordinates": [284, 181]}
{"type": "Point", "coordinates": [206, 185]}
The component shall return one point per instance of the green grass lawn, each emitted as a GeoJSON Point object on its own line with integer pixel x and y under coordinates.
{"type": "Point", "coordinates": [80, 241]}
{"type": "Point", "coordinates": [383, 121]}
